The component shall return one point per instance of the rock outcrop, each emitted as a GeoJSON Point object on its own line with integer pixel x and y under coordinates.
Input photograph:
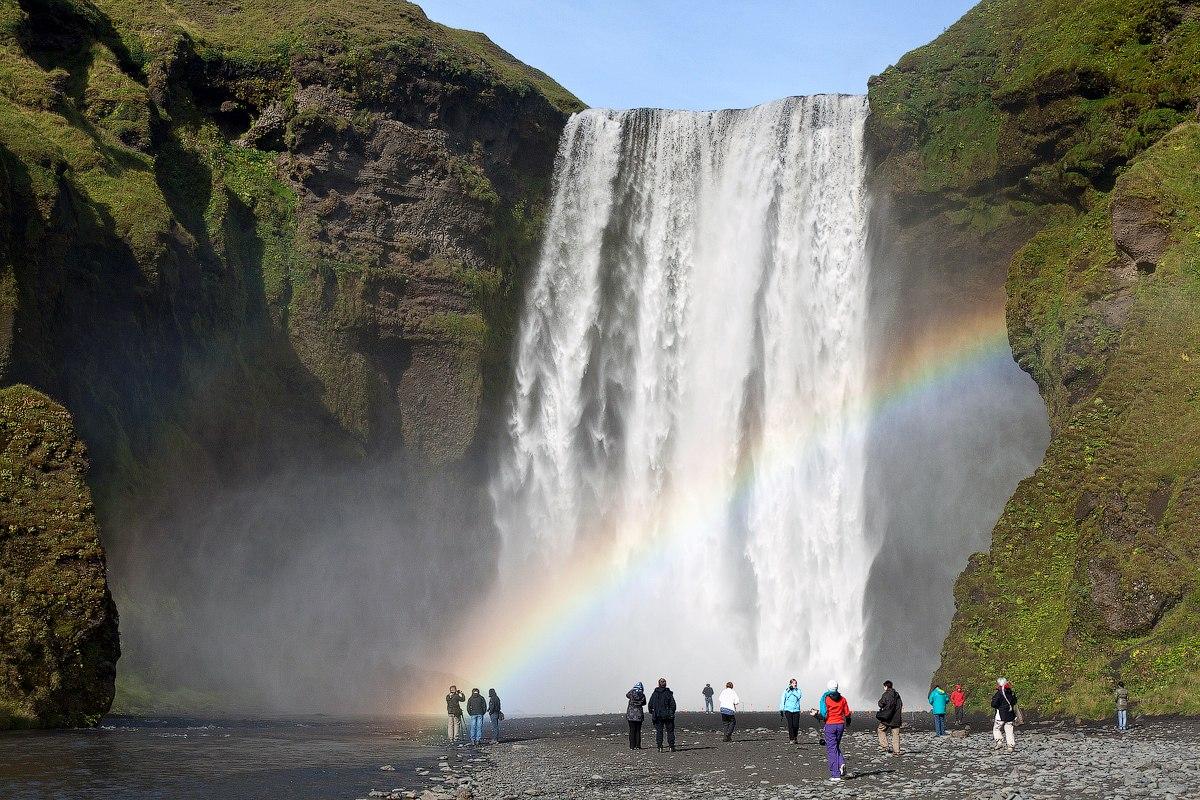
{"type": "Point", "coordinates": [58, 624]}
{"type": "Point", "coordinates": [1063, 141]}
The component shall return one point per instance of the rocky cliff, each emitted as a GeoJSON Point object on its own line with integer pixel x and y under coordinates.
{"type": "Point", "coordinates": [58, 624]}
{"type": "Point", "coordinates": [267, 245]}
{"type": "Point", "coordinates": [1057, 141]}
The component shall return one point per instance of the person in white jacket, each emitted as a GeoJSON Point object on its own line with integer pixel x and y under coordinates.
{"type": "Point", "coordinates": [728, 702]}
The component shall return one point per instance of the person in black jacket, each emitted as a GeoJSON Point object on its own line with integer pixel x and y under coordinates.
{"type": "Point", "coordinates": [494, 713]}
{"type": "Point", "coordinates": [634, 715]}
{"type": "Point", "coordinates": [1005, 703]}
{"type": "Point", "coordinates": [476, 708]}
{"type": "Point", "coordinates": [662, 711]}
{"type": "Point", "coordinates": [454, 714]}
{"type": "Point", "coordinates": [890, 716]}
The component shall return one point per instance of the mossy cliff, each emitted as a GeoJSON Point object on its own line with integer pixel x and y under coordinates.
{"type": "Point", "coordinates": [58, 624]}
{"type": "Point", "coordinates": [239, 240]}
{"type": "Point", "coordinates": [1057, 140]}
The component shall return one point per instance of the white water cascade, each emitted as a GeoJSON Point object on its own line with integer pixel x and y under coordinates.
{"type": "Point", "coordinates": [686, 430]}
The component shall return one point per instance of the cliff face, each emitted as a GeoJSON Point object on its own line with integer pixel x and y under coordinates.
{"type": "Point", "coordinates": [58, 624]}
{"type": "Point", "coordinates": [1056, 140]}
{"type": "Point", "coordinates": [238, 245]}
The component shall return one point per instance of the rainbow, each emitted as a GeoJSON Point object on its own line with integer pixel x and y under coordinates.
{"type": "Point", "coordinates": [515, 632]}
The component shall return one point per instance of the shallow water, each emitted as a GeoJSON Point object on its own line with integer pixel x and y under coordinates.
{"type": "Point", "coordinates": [138, 758]}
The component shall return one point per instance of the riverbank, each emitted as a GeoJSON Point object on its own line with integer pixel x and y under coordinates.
{"type": "Point", "coordinates": [588, 757]}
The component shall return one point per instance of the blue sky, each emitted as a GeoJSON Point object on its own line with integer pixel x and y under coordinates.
{"type": "Point", "coordinates": [703, 54]}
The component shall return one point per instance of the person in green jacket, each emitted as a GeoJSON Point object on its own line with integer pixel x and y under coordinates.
{"type": "Point", "coordinates": [937, 702]}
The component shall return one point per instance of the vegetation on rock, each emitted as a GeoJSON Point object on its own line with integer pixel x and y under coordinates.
{"type": "Point", "coordinates": [237, 239]}
{"type": "Point", "coordinates": [1064, 130]}
{"type": "Point", "coordinates": [58, 624]}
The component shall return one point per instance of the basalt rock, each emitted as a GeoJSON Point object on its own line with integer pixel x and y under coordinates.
{"type": "Point", "coordinates": [58, 624]}
{"type": "Point", "coordinates": [1069, 139]}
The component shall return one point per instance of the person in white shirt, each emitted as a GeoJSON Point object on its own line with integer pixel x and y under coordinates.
{"type": "Point", "coordinates": [729, 702]}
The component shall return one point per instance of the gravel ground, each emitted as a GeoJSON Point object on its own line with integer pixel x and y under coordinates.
{"type": "Point", "coordinates": [588, 757]}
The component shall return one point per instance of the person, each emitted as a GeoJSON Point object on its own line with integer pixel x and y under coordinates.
{"type": "Point", "coordinates": [634, 714]}
{"type": "Point", "coordinates": [958, 698]}
{"type": "Point", "coordinates": [494, 712]}
{"type": "Point", "coordinates": [1005, 703]}
{"type": "Point", "coordinates": [707, 691]}
{"type": "Point", "coordinates": [454, 714]}
{"type": "Point", "coordinates": [729, 701]}
{"type": "Point", "coordinates": [662, 712]}
{"type": "Point", "coordinates": [789, 708]}
{"type": "Point", "coordinates": [937, 704]}
{"type": "Point", "coordinates": [891, 718]}
{"type": "Point", "coordinates": [1121, 695]}
{"type": "Point", "coordinates": [835, 710]}
{"type": "Point", "coordinates": [476, 708]}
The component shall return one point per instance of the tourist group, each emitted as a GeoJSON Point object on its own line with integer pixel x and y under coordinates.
{"type": "Point", "coordinates": [832, 712]}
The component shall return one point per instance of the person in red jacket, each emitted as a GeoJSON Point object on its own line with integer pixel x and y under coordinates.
{"type": "Point", "coordinates": [957, 698]}
{"type": "Point", "coordinates": [836, 711]}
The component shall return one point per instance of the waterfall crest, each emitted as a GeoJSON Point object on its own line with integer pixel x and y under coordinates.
{"type": "Point", "coordinates": [688, 402]}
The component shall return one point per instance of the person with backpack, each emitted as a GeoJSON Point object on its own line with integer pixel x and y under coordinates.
{"type": "Point", "coordinates": [662, 713]}
{"type": "Point", "coordinates": [634, 715]}
{"type": "Point", "coordinates": [835, 710]}
{"type": "Point", "coordinates": [708, 693]}
{"type": "Point", "coordinates": [495, 714]}
{"type": "Point", "coordinates": [937, 704]}
{"type": "Point", "coordinates": [454, 714]}
{"type": "Point", "coordinates": [789, 709]}
{"type": "Point", "coordinates": [1005, 703]}
{"type": "Point", "coordinates": [476, 708]}
{"type": "Point", "coordinates": [958, 699]}
{"type": "Point", "coordinates": [891, 718]}
{"type": "Point", "coordinates": [1121, 695]}
{"type": "Point", "coordinates": [729, 701]}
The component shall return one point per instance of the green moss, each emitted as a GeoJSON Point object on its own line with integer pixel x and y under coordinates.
{"type": "Point", "coordinates": [1078, 550]}
{"type": "Point", "coordinates": [1070, 89]}
{"type": "Point", "coordinates": [360, 33]}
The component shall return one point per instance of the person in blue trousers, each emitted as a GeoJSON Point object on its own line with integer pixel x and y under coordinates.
{"type": "Point", "coordinates": [937, 703]}
{"type": "Point", "coordinates": [1121, 695]}
{"type": "Point", "coordinates": [476, 708]}
{"type": "Point", "coordinates": [789, 709]}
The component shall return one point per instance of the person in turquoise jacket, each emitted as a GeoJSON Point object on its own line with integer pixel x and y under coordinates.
{"type": "Point", "coordinates": [789, 709]}
{"type": "Point", "coordinates": [937, 703]}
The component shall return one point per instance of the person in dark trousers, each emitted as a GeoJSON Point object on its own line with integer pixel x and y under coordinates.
{"type": "Point", "coordinates": [1121, 695]}
{"type": "Point", "coordinates": [635, 715]}
{"type": "Point", "coordinates": [454, 714]}
{"type": "Point", "coordinates": [1005, 703]}
{"type": "Point", "coordinates": [789, 709]}
{"type": "Point", "coordinates": [835, 710]}
{"type": "Point", "coordinates": [958, 699]}
{"type": "Point", "coordinates": [495, 714]}
{"type": "Point", "coordinates": [937, 705]}
{"type": "Point", "coordinates": [476, 708]}
{"type": "Point", "coordinates": [662, 712]}
{"type": "Point", "coordinates": [728, 703]}
{"type": "Point", "coordinates": [891, 718]}
{"type": "Point", "coordinates": [707, 691]}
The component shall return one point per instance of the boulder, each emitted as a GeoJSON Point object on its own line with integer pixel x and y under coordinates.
{"type": "Point", "coordinates": [58, 623]}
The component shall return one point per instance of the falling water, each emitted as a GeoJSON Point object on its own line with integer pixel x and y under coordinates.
{"type": "Point", "coordinates": [686, 395]}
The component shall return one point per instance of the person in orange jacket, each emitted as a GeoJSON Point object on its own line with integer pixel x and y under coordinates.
{"type": "Point", "coordinates": [958, 698]}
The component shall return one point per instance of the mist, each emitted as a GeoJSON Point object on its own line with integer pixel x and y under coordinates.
{"type": "Point", "coordinates": [302, 591]}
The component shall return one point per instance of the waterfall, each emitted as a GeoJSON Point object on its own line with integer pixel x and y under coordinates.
{"type": "Point", "coordinates": [687, 403]}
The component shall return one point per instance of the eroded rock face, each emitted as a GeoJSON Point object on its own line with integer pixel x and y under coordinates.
{"type": "Point", "coordinates": [58, 624]}
{"type": "Point", "coordinates": [1138, 231]}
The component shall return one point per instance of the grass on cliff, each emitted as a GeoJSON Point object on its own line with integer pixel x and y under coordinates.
{"type": "Point", "coordinates": [274, 32]}
{"type": "Point", "coordinates": [1055, 96]}
{"type": "Point", "coordinates": [1108, 528]}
